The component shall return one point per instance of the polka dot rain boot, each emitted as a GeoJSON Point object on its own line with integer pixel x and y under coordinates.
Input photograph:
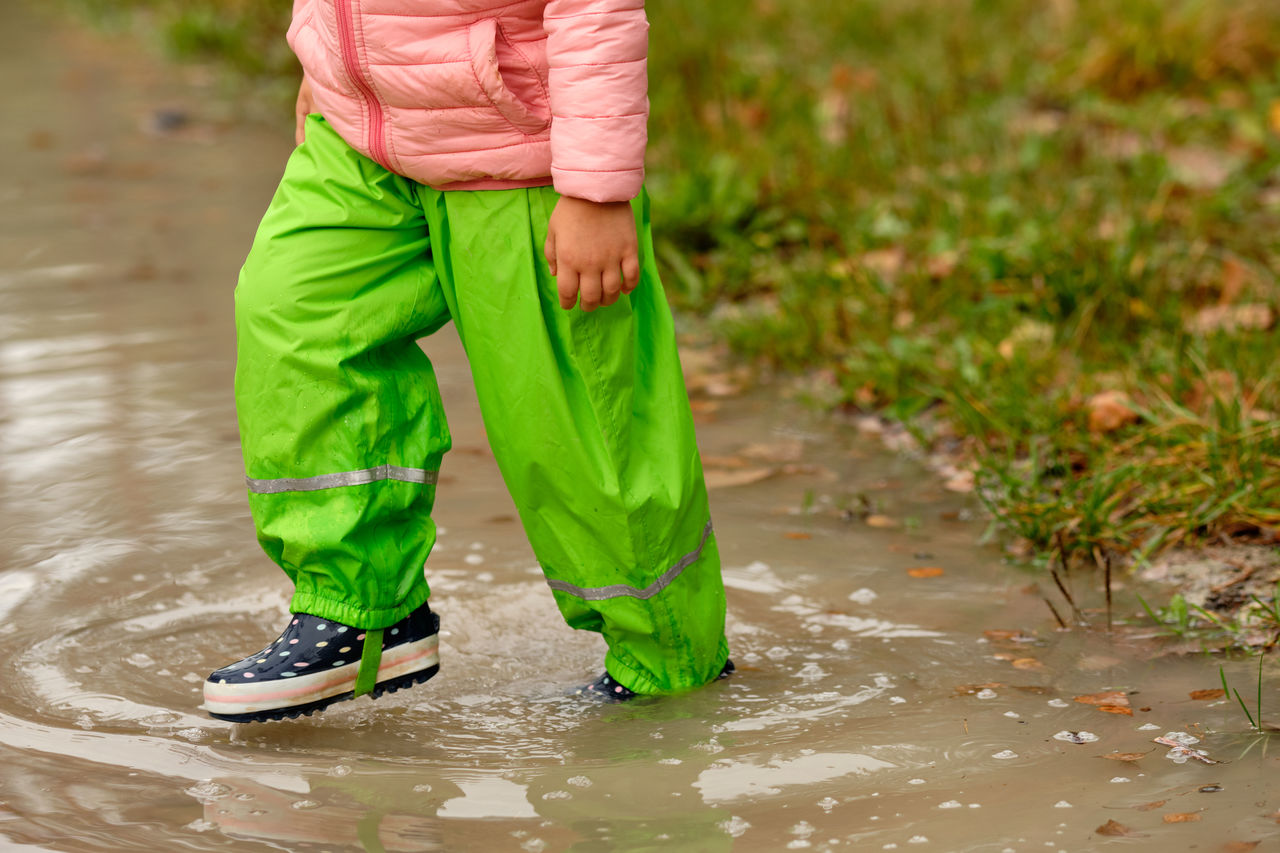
{"type": "Point", "coordinates": [608, 690]}
{"type": "Point", "coordinates": [316, 662]}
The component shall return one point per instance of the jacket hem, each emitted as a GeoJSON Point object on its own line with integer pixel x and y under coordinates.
{"type": "Point", "coordinates": [492, 184]}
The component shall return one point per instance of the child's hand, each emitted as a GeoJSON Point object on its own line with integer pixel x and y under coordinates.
{"type": "Point", "coordinates": [304, 107]}
{"type": "Point", "coordinates": [593, 251]}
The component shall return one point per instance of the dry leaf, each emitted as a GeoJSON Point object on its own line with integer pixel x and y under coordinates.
{"type": "Point", "coordinates": [741, 477]}
{"type": "Point", "coordinates": [777, 451]}
{"type": "Point", "coordinates": [1123, 710]}
{"type": "Point", "coordinates": [882, 521]}
{"type": "Point", "coordinates": [1200, 167]}
{"type": "Point", "coordinates": [1111, 827]}
{"type": "Point", "coordinates": [1182, 817]}
{"type": "Point", "coordinates": [1215, 693]}
{"type": "Point", "coordinates": [1003, 635]}
{"type": "Point", "coordinates": [1273, 116]}
{"type": "Point", "coordinates": [961, 483]}
{"type": "Point", "coordinates": [926, 572]}
{"type": "Point", "coordinates": [1128, 756]}
{"type": "Point", "coordinates": [1146, 807]}
{"type": "Point", "coordinates": [886, 263]}
{"type": "Point", "coordinates": [1036, 689]}
{"type": "Point", "coordinates": [1027, 663]}
{"type": "Point", "coordinates": [1230, 318]}
{"type": "Point", "coordinates": [943, 264]}
{"type": "Point", "coordinates": [704, 411]}
{"type": "Point", "coordinates": [1235, 276]}
{"type": "Point", "coordinates": [1238, 846]}
{"type": "Point", "coordinates": [796, 534]}
{"type": "Point", "coordinates": [1110, 410]}
{"type": "Point", "coordinates": [1111, 697]}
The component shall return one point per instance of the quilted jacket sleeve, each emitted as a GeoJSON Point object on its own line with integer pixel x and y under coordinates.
{"type": "Point", "coordinates": [597, 51]}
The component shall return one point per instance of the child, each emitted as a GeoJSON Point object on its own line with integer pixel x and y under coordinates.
{"type": "Point", "coordinates": [479, 162]}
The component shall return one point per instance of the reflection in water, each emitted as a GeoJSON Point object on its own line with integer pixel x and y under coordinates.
{"type": "Point", "coordinates": [728, 780]}
{"type": "Point", "coordinates": [867, 712]}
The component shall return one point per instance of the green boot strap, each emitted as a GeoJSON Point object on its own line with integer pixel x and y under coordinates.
{"type": "Point", "coordinates": [370, 658]}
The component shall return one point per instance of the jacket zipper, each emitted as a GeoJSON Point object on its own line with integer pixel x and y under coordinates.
{"type": "Point", "coordinates": [351, 59]}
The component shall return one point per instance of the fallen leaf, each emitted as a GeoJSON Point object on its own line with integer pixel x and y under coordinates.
{"type": "Point", "coordinates": [742, 477]}
{"type": "Point", "coordinates": [1112, 827]}
{"type": "Point", "coordinates": [943, 264]}
{"type": "Point", "coordinates": [1123, 710]}
{"type": "Point", "coordinates": [1146, 807]}
{"type": "Point", "coordinates": [961, 483]}
{"type": "Point", "coordinates": [1003, 635]}
{"type": "Point", "coordinates": [1027, 663]}
{"type": "Point", "coordinates": [882, 521]}
{"type": "Point", "coordinates": [1111, 697]}
{"type": "Point", "coordinates": [722, 385]}
{"type": "Point", "coordinates": [1126, 756]}
{"type": "Point", "coordinates": [1110, 410]}
{"type": "Point", "coordinates": [926, 572]}
{"type": "Point", "coordinates": [886, 263]}
{"type": "Point", "coordinates": [1182, 817]}
{"type": "Point", "coordinates": [777, 451]}
{"type": "Point", "coordinates": [1200, 167]}
{"type": "Point", "coordinates": [1215, 693]}
{"type": "Point", "coordinates": [1273, 116]}
{"type": "Point", "coordinates": [1230, 318]}
{"type": "Point", "coordinates": [704, 411]}
{"type": "Point", "coordinates": [1235, 276]}
{"type": "Point", "coordinates": [1238, 846]}
{"type": "Point", "coordinates": [796, 534]}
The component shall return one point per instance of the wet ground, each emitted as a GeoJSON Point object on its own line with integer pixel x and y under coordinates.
{"type": "Point", "coordinates": [870, 710]}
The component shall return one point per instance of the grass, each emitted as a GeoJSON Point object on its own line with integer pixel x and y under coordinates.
{"type": "Point", "coordinates": [1044, 233]}
{"type": "Point", "coordinates": [1254, 722]}
{"type": "Point", "coordinates": [993, 215]}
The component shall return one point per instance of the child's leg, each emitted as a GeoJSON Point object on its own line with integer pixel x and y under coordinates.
{"type": "Point", "coordinates": [340, 415]}
{"type": "Point", "coordinates": [590, 424]}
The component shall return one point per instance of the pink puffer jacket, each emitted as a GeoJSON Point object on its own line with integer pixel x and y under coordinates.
{"type": "Point", "coordinates": [474, 94]}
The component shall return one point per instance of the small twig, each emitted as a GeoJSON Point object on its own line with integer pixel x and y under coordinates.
{"type": "Point", "coordinates": [1107, 568]}
{"type": "Point", "coordinates": [1238, 579]}
{"type": "Point", "coordinates": [1054, 611]}
{"type": "Point", "coordinates": [1076, 613]}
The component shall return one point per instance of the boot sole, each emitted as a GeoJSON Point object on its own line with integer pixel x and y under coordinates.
{"type": "Point", "coordinates": [292, 712]}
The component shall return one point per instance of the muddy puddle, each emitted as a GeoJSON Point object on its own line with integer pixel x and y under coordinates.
{"type": "Point", "coordinates": [870, 711]}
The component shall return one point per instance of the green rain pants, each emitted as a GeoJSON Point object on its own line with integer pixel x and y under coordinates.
{"type": "Point", "coordinates": [343, 429]}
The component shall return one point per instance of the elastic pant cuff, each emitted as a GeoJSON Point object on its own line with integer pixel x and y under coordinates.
{"type": "Point", "coordinates": [630, 675]}
{"type": "Point", "coordinates": [345, 613]}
